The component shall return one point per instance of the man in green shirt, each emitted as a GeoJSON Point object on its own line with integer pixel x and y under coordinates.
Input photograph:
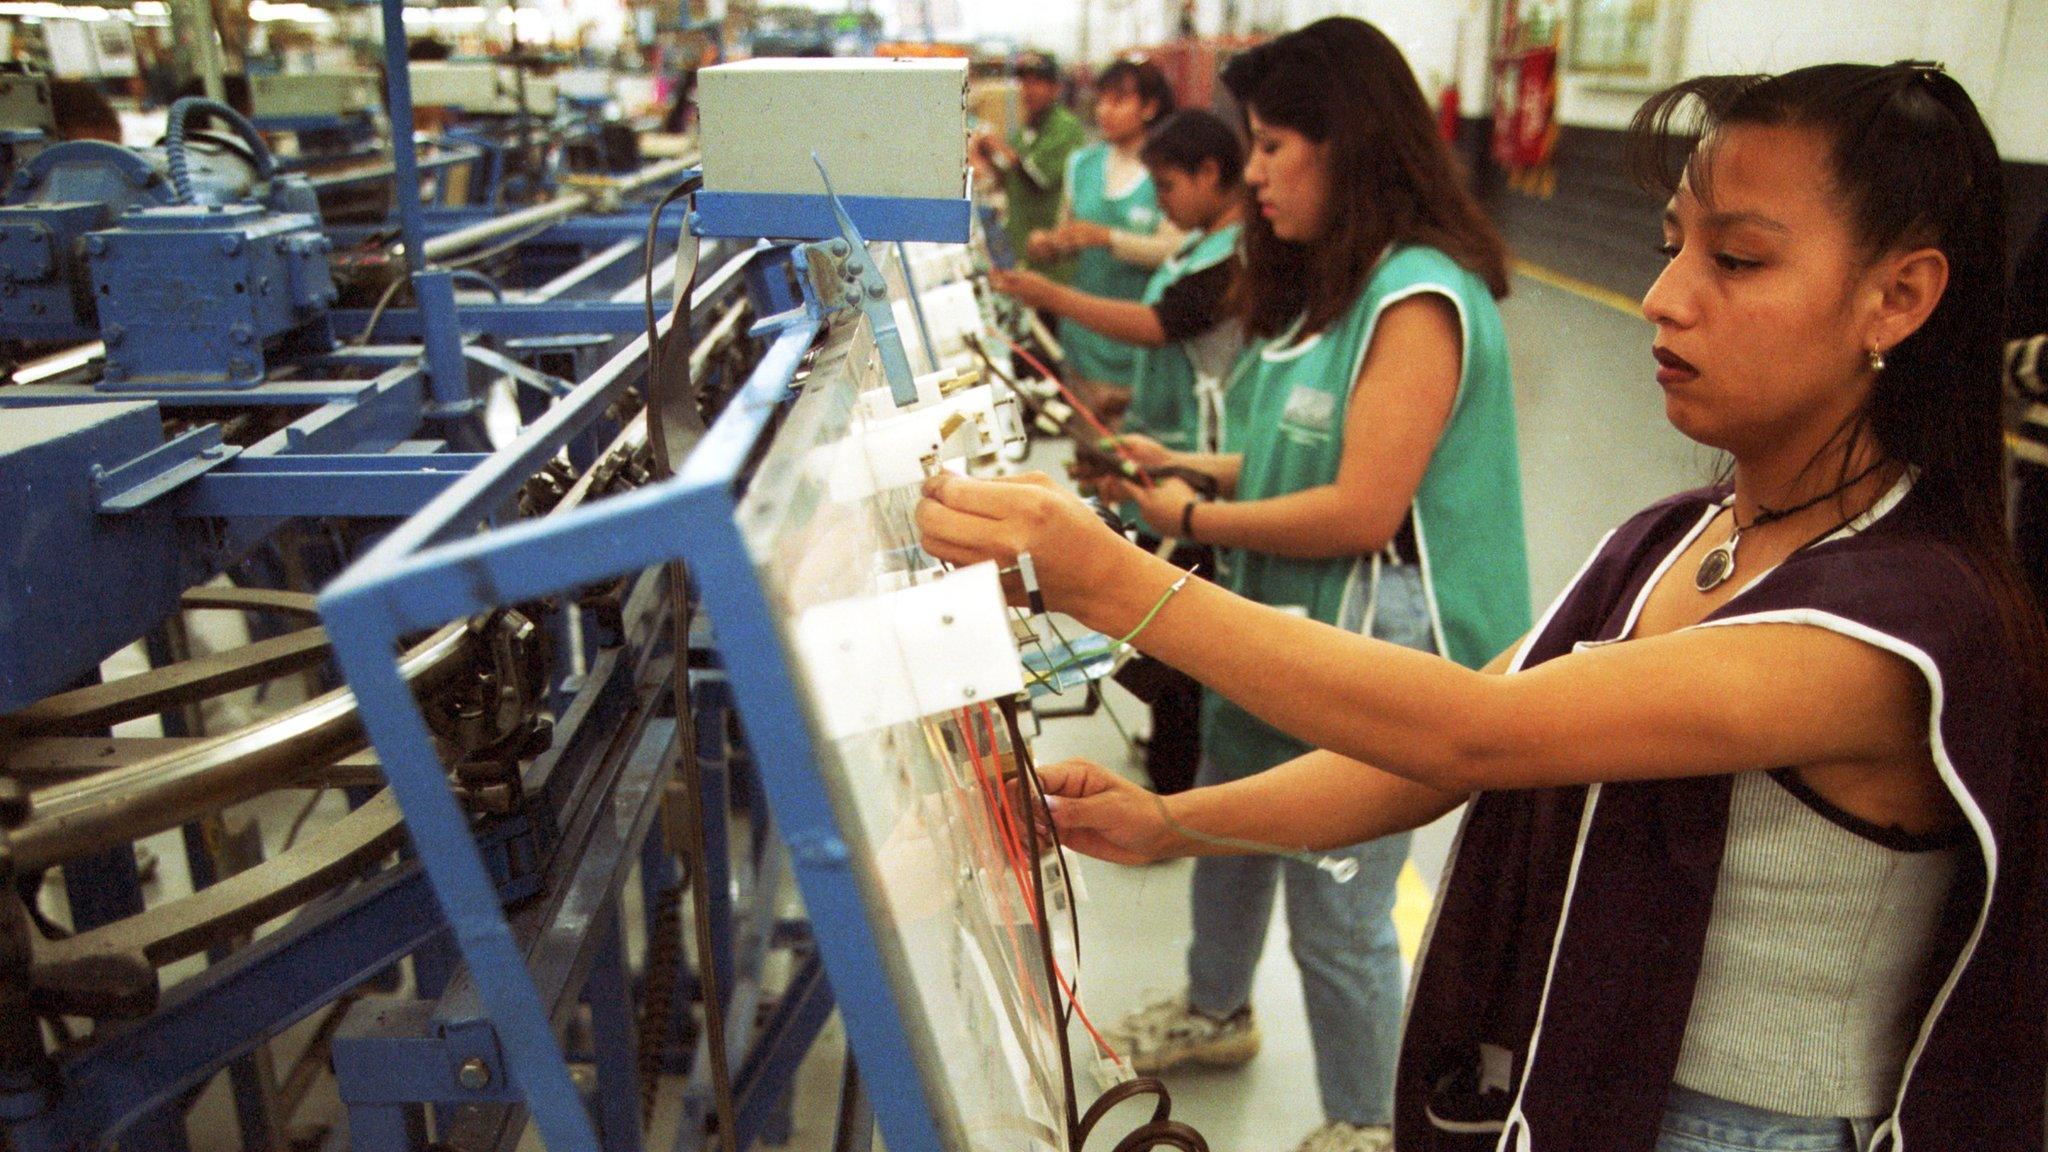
{"type": "Point", "coordinates": [1032, 163]}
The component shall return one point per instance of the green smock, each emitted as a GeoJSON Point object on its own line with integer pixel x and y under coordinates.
{"type": "Point", "coordinates": [1097, 271]}
{"type": "Point", "coordinates": [1164, 404]}
{"type": "Point", "coordinates": [1466, 515]}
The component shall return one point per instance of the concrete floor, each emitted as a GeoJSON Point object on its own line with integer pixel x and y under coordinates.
{"type": "Point", "coordinates": [1595, 448]}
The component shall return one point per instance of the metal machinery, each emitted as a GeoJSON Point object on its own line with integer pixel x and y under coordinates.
{"type": "Point", "coordinates": [194, 421]}
{"type": "Point", "coordinates": [514, 481]}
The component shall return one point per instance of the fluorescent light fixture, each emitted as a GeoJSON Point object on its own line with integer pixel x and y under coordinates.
{"type": "Point", "coordinates": [264, 11]}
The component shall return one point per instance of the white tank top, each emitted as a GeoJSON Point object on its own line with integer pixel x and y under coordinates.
{"type": "Point", "coordinates": [1817, 969]}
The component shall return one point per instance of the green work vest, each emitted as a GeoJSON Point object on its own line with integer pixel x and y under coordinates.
{"type": "Point", "coordinates": [1467, 513]}
{"type": "Point", "coordinates": [1098, 272]}
{"type": "Point", "coordinates": [1163, 401]}
{"type": "Point", "coordinates": [1044, 151]}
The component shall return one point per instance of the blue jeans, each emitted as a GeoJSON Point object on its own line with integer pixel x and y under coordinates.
{"type": "Point", "coordinates": [1342, 935]}
{"type": "Point", "coordinates": [1697, 1122]}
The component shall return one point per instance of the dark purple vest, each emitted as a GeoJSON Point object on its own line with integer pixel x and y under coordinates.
{"type": "Point", "coordinates": [1629, 954]}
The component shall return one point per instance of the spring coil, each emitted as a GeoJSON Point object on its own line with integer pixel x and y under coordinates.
{"type": "Point", "coordinates": [658, 993]}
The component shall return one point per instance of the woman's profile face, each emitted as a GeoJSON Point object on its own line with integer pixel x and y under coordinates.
{"type": "Point", "coordinates": [1189, 199]}
{"type": "Point", "coordinates": [1764, 309]}
{"type": "Point", "coordinates": [1289, 178]}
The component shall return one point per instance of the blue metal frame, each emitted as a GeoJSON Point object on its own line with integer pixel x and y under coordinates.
{"type": "Point", "coordinates": [354, 454]}
{"type": "Point", "coordinates": [420, 576]}
{"type": "Point", "coordinates": [229, 1009]}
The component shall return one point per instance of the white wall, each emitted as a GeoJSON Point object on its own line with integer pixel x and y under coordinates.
{"type": "Point", "coordinates": [1991, 46]}
{"type": "Point", "coordinates": [1426, 30]}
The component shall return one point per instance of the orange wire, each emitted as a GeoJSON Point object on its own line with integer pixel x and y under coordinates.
{"type": "Point", "coordinates": [1009, 820]}
{"type": "Point", "coordinates": [1014, 857]}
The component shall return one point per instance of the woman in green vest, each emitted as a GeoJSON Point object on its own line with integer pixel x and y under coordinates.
{"type": "Point", "coordinates": [1374, 485]}
{"type": "Point", "coordinates": [1110, 223]}
{"type": "Point", "coordinates": [1186, 343]}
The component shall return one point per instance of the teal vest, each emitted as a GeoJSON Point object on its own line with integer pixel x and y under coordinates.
{"type": "Point", "coordinates": [1467, 514]}
{"type": "Point", "coordinates": [1163, 401]}
{"type": "Point", "coordinates": [1098, 272]}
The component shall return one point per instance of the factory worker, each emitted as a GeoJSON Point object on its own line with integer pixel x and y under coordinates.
{"type": "Point", "coordinates": [1373, 485]}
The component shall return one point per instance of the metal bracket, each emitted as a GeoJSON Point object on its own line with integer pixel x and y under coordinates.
{"type": "Point", "coordinates": [864, 288]}
{"type": "Point", "coordinates": [186, 457]}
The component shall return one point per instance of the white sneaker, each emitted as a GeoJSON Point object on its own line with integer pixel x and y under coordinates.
{"type": "Point", "coordinates": [1169, 1034]}
{"type": "Point", "coordinates": [1337, 1136]}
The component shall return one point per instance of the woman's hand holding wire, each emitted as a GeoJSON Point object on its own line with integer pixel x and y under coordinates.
{"type": "Point", "coordinates": [1161, 505]}
{"type": "Point", "coordinates": [1143, 450]}
{"type": "Point", "coordinates": [1101, 814]}
{"type": "Point", "coordinates": [1073, 553]}
{"type": "Point", "coordinates": [1026, 287]}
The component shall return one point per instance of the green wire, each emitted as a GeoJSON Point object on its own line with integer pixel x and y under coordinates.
{"type": "Point", "coordinates": [1158, 604]}
{"type": "Point", "coordinates": [1074, 660]}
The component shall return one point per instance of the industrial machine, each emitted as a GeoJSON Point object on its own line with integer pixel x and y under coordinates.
{"type": "Point", "coordinates": [197, 421]}
{"type": "Point", "coordinates": [608, 522]}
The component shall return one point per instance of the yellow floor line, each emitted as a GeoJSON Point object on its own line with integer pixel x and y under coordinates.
{"type": "Point", "coordinates": [1412, 899]}
{"type": "Point", "coordinates": [1578, 287]}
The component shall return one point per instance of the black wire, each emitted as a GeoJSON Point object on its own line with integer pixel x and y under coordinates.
{"type": "Point", "coordinates": [1044, 926]}
{"type": "Point", "coordinates": [656, 346]}
{"type": "Point", "coordinates": [1027, 770]}
{"type": "Point", "coordinates": [724, 1112]}
{"type": "Point", "coordinates": [1161, 1130]}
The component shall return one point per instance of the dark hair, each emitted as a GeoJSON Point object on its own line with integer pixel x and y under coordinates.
{"type": "Point", "coordinates": [83, 112]}
{"type": "Point", "coordinates": [234, 85]}
{"type": "Point", "coordinates": [1192, 137]}
{"type": "Point", "coordinates": [1147, 80]}
{"type": "Point", "coordinates": [1036, 66]}
{"type": "Point", "coordinates": [1392, 178]}
{"type": "Point", "coordinates": [429, 49]}
{"type": "Point", "coordinates": [1913, 166]}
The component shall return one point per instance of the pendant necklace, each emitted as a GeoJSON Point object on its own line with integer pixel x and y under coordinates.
{"type": "Point", "coordinates": [1719, 562]}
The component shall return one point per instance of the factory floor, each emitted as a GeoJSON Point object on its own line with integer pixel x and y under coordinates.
{"type": "Point", "coordinates": [1595, 448]}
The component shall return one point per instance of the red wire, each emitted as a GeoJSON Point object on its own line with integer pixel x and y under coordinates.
{"type": "Point", "coordinates": [1009, 821]}
{"type": "Point", "coordinates": [1014, 854]}
{"type": "Point", "coordinates": [1006, 828]}
{"type": "Point", "coordinates": [1115, 443]}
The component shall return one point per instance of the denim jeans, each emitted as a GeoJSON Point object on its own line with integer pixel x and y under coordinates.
{"type": "Point", "coordinates": [1342, 935]}
{"type": "Point", "coordinates": [1697, 1122]}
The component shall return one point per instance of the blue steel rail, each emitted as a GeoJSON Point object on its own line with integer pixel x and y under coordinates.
{"type": "Point", "coordinates": [433, 569]}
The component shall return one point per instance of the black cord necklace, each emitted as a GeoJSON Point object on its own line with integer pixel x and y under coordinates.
{"type": "Point", "coordinates": [1719, 562]}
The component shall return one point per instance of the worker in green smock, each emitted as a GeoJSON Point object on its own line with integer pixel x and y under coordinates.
{"type": "Point", "coordinates": [1373, 483]}
{"type": "Point", "coordinates": [1032, 163]}
{"type": "Point", "coordinates": [1110, 223]}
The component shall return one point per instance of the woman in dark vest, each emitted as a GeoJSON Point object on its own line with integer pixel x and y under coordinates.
{"type": "Point", "coordinates": [1752, 853]}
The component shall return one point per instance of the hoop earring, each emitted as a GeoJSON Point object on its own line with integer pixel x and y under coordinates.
{"type": "Point", "coordinates": [1876, 358]}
